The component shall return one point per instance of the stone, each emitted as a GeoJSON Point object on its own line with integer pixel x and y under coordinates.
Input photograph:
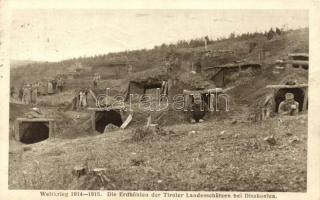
{"type": "Point", "coordinates": [289, 134]}
{"type": "Point", "coordinates": [270, 139]}
{"type": "Point", "coordinates": [110, 127]}
{"type": "Point", "coordinates": [27, 148]}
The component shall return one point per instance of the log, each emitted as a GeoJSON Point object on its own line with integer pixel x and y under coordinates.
{"type": "Point", "coordinates": [126, 122]}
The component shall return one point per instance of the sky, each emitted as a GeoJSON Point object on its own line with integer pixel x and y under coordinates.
{"type": "Point", "coordinates": [57, 34]}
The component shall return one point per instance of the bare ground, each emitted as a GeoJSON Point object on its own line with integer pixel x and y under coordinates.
{"type": "Point", "coordinates": [215, 156]}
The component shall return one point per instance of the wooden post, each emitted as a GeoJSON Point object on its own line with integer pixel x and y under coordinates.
{"type": "Point", "coordinates": [93, 120]}
{"type": "Point", "coordinates": [263, 114]}
{"type": "Point", "coordinates": [50, 123]}
{"type": "Point", "coordinates": [17, 130]}
{"type": "Point", "coordinates": [305, 100]}
{"type": "Point", "coordinates": [186, 101]}
{"type": "Point", "coordinates": [211, 101]}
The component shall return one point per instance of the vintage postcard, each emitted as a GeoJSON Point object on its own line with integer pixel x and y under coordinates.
{"type": "Point", "coordinates": [159, 99]}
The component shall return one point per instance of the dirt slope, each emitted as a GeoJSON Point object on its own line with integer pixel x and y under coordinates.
{"type": "Point", "coordinates": [221, 155]}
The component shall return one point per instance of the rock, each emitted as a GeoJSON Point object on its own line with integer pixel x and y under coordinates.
{"type": "Point", "coordinates": [289, 134]}
{"type": "Point", "coordinates": [27, 148]}
{"type": "Point", "coordinates": [234, 121]}
{"type": "Point", "coordinates": [270, 139]}
{"type": "Point", "coordinates": [295, 140]}
{"type": "Point", "coordinates": [137, 162]}
{"type": "Point", "coordinates": [98, 170]}
{"type": "Point", "coordinates": [191, 132]}
{"type": "Point", "coordinates": [236, 135]}
{"type": "Point", "coordinates": [110, 127]}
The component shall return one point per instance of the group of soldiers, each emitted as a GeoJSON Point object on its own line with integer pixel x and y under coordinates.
{"type": "Point", "coordinates": [80, 100]}
{"type": "Point", "coordinates": [28, 93]}
{"type": "Point", "coordinates": [55, 85]}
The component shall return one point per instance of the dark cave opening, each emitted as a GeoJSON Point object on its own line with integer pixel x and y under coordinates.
{"type": "Point", "coordinates": [34, 132]}
{"type": "Point", "coordinates": [103, 118]}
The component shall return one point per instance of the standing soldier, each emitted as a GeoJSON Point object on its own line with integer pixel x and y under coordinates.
{"type": "Point", "coordinates": [60, 84]}
{"type": "Point", "coordinates": [197, 109]}
{"type": "Point", "coordinates": [289, 106]}
{"type": "Point", "coordinates": [25, 94]}
{"type": "Point", "coordinates": [54, 85]}
{"type": "Point", "coordinates": [34, 93]}
{"type": "Point", "coordinates": [95, 81]}
{"type": "Point", "coordinates": [21, 93]}
{"type": "Point", "coordinates": [82, 99]}
{"type": "Point", "coordinates": [28, 93]}
{"type": "Point", "coordinates": [50, 88]}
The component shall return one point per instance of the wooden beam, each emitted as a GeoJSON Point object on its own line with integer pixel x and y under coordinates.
{"type": "Point", "coordinates": [214, 90]}
{"type": "Point", "coordinates": [126, 122]}
{"type": "Point", "coordinates": [297, 62]}
{"type": "Point", "coordinates": [107, 108]}
{"type": "Point", "coordinates": [94, 96]}
{"type": "Point", "coordinates": [288, 86]}
{"type": "Point", "coordinates": [34, 119]}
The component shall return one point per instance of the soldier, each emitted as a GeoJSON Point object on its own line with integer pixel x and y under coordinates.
{"type": "Point", "coordinates": [95, 81]}
{"type": "Point", "coordinates": [60, 84]}
{"type": "Point", "coordinates": [34, 93]}
{"type": "Point", "coordinates": [50, 88]}
{"type": "Point", "coordinates": [197, 109]}
{"type": "Point", "coordinates": [27, 94]}
{"type": "Point", "coordinates": [289, 106]}
{"type": "Point", "coordinates": [54, 83]}
{"type": "Point", "coordinates": [21, 93]}
{"type": "Point", "coordinates": [83, 98]}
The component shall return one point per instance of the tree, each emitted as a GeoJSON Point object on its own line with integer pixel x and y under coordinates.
{"type": "Point", "coordinates": [232, 35]}
{"type": "Point", "coordinates": [270, 34]}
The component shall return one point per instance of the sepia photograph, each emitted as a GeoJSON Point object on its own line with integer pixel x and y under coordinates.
{"type": "Point", "coordinates": [159, 100]}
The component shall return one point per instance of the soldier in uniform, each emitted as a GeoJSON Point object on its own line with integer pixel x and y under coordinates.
{"type": "Point", "coordinates": [197, 109]}
{"type": "Point", "coordinates": [289, 106]}
{"type": "Point", "coordinates": [50, 88]}
{"type": "Point", "coordinates": [34, 93]}
{"type": "Point", "coordinates": [60, 84]}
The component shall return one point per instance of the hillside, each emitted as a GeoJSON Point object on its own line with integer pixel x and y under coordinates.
{"type": "Point", "coordinates": [244, 48]}
{"type": "Point", "coordinates": [229, 151]}
{"type": "Point", "coordinates": [215, 156]}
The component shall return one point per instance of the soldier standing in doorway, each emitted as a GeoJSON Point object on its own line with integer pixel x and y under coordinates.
{"type": "Point", "coordinates": [289, 106]}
